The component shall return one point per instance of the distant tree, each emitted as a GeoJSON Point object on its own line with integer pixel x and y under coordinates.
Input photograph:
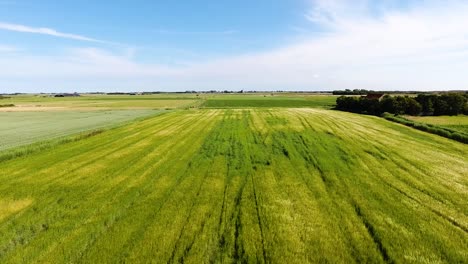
{"type": "Point", "coordinates": [388, 104]}
{"type": "Point", "coordinates": [441, 107]}
{"type": "Point", "coordinates": [427, 103]}
{"type": "Point", "coordinates": [348, 103]}
{"type": "Point", "coordinates": [353, 92]}
{"type": "Point", "coordinates": [446, 104]}
{"type": "Point", "coordinates": [456, 103]}
{"type": "Point", "coordinates": [400, 105]}
{"type": "Point", "coordinates": [413, 107]}
{"type": "Point", "coordinates": [342, 103]}
{"type": "Point", "coordinates": [369, 106]}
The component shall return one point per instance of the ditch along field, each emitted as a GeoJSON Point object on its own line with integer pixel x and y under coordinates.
{"type": "Point", "coordinates": [251, 186]}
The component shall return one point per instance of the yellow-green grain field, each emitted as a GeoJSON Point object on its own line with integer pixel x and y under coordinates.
{"type": "Point", "coordinates": [254, 185]}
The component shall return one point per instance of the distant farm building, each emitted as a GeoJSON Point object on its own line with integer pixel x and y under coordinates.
{"type": "Point", "coordinates": [375, 96]}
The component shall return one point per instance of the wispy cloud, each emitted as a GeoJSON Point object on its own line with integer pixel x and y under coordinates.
{"type": "Point", "coordinates": [79, 63]}
{"type": "Point", "coordinates": [46, 31]}
{"type": "Point", "coordinates": [336, 12]}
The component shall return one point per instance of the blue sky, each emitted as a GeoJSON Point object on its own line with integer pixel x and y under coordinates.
{"type": "Point", "coordinates": [50, 46]}
{"type": "Point", "coordinates": [204, 28]}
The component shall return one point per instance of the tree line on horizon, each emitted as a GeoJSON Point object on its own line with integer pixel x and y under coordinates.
{"type": "Point", "coordinates": [422, 104]}
{"type": "Point", "coordinates": [365, 92]}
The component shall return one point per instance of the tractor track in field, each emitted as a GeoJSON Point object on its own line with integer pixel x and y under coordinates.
{"type": "Point", "coordinates": [443, 216]}
{"type": "Point", "coordinates": [422, 191]}
{"type": "Point", "coordinates": [260, 224]}
{"type": "Point", "coordinates": [373, 234]}
{"type": "Point", "coordinates": [184, 226]}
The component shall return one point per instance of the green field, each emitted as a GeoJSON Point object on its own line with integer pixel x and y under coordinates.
{"type": "Point", "coordinates": [240, 185]}
{"type": "Point", "coordinates": [267, 100]}
{"type": "Point", "coordinates": [23, 128]}
{"type": "Point", "coordinates": [457, 123]}
{"type": "Point", "coordinates": [105, 101]}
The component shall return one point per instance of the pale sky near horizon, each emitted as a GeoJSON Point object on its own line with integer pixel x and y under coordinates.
{"type": "Point", "coordinates": [86, 46]}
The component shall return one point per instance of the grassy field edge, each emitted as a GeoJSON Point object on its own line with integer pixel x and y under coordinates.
{"type": "Point", "coordinates": [433, 129]}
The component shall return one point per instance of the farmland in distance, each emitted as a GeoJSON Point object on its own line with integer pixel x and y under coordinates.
{"type": "Point", "coordinates": [268, 100]}
{"type": "Point", "coordinates": [99, 102]}
{"type": "Point", "coordinates": [240, 185]}
{"type": "Point", "coordinates": [457, 123]}
{"type": "Point", "coordinates": [27, 127]}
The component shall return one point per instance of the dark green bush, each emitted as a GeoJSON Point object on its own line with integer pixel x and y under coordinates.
{"type": "Point", "coordinates": [460, 137]}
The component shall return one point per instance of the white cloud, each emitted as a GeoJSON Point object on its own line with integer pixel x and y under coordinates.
{"type": "Point", "coordinates": [7, 48]}
{"type": "Point", "coordinates": [46, 31]}
{"type": "Point", "coordinates": [86, 63]}
{"type": "Point", "coordinates": [423, 48]}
